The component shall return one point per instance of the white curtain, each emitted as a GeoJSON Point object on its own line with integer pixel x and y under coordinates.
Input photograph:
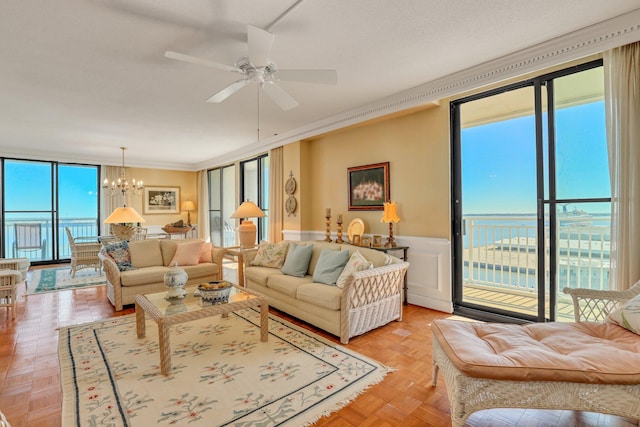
{"type": "Point", "coordinates": [276, 194]}
{"type": "Point", "coordinates": [107, 202]}
{"type": "Point", "coordinates": [203, 206]}
{"type": "Point", "coordinates": [622, 101]}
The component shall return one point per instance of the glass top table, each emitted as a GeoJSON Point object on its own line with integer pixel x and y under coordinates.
{"type": "Point", "coordinates": [167, 312]}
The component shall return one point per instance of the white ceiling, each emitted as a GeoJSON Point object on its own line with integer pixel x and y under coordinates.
{"type": "Point", "coordinates": [80, 78]}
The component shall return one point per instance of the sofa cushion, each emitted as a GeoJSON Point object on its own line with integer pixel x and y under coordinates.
{"type": "Point", "coordinates": [260, 275]}
{"type": "Point", "coordinates": [627, 315]}
{"type": "Point", "coordinates": [377, 258]}
{"type": "Point", "coordinates": [317, 251]}
{"type": "Point", "coordinates": [205, 252]}
{"type": "Point", "coordinates": [187, 253]}
{"type": "Point", "coordinates": [357, 262]}
{"type": "Point", "coordinates": [329, 266]}
{"type": "Point", "coordinates": [287, 285]}
{"type": "Point", "coordinates": [202, 269]}
{"type": "Point", "coordinates": [119, 252]}
{"type": "Point", "coordinates": [297, 261]}
{"type": "Point", "coordinates": [145, 253]}
{"type": "Point", "coordinates": [320, 295]}
{"type": "Point", "coordinates": [271, 254]}
{"type": "Point", "coordinates": [143, 276]}
{"type": "Point", "coordinates": [168, 248]}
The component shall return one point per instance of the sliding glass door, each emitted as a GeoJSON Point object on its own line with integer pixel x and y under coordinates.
{"type": "Point", "coordinates": [530, 196]}
{"type": "Point", "coordinates": [40, 198]}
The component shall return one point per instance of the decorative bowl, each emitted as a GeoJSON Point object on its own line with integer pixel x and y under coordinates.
{"type": "Point", "coordinates": [215, 292]}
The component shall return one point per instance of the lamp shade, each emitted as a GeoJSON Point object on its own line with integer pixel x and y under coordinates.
{"type": "Point", "coordinates": [247, 229]}
{"type": "Point", "coordinates": [390, 213]}
{"type": "Point", "coordinates": [123, 216]}
{"type": "Point", "coordinates": [248, 209]}
{"type": "Point", "coordinates": [188, 206]}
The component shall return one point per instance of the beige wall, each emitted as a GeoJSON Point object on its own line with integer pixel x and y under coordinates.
{"type": "Point", "coordinates": [187, 181]}
{"type": "Point", "coordinates": [417, 149]}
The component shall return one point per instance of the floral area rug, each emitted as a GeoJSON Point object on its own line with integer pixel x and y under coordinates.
{"type": "Point", "coordinates": [223, 375]}
{"type": "Point", "coordinates": [58, 279]}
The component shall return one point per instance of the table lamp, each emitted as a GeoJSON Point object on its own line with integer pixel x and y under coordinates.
{"type": "Point", "coordinates": [188, 206]}
{"type": "Point", "coordinates": [390, 215]}
{"type": "Point", "coordinates": [121, 220]}
{"type": "Point", "coordinates": [247, 229]}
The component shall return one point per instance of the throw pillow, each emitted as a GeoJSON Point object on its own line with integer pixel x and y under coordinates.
{"type": "Point", "coordinates": [187, 253]}
{"type": "Point", "coordinates": [271, 254]}
{"type": "Point", "coordinates": [205, 253]}
{"type": "Point", "coordinates": [627, 315]}
{"type": "Point", "coordinates": [357, 262]}
{"type": "Point", "coordinates": [329, 266]}
{"type": "Point", "coordinates": [297, 261]}
{"type": "Point", "coordinates": [119, 252]}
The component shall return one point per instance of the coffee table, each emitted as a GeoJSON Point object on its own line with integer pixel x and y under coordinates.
{"type": "Point", "coordinates": [171, 312]}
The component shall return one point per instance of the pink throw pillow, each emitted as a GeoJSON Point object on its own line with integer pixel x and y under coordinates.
{"type": "Point", "coordinates": [205, 253]}
{"type": "Point", "coordinates": [187, 253]}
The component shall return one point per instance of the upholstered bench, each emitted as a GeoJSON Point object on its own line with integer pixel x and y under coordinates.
{"type": "Point", "coordinates": [580, 366]}
{"type": "Point", "coordinates": [583, 366]}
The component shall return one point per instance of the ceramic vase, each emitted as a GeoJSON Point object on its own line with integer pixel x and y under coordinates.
{"type": "Point", "coordinates": [175, 279]}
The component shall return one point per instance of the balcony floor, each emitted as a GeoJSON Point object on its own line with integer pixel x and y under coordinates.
{"type": "Point", "coordinates": [519, 302]}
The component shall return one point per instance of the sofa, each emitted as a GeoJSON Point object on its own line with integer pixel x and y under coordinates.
{"type": "Point", "coordinates": [366, 292]}
{"type": "Point", "coordinates": [138, 267]}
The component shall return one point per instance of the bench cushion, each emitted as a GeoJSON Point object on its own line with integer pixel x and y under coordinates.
{"type": "Point", "coordinates": [571, 352]}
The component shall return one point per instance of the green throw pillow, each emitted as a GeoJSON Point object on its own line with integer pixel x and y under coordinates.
{"type": "Point", "coordinates": [297, 261]}
{"type": "Point", "coordinates": [329, 266]}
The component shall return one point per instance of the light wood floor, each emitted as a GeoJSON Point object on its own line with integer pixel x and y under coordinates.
{"type": "Point", "coordinates": [30, 381]}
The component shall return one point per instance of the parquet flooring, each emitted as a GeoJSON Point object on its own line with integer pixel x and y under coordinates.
{"type": "Point", "coordinates": [30, 381]}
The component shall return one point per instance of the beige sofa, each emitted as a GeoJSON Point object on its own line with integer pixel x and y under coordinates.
{"type": "Point", "coordinates": [149, 260]}
{"type": "Point", "coordinates": [369, 298]}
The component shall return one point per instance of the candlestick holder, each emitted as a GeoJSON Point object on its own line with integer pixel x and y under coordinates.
{"type": "Point", "coordinates": [339, 227]}
{"type": "Point", "coordinates": [328, 232]}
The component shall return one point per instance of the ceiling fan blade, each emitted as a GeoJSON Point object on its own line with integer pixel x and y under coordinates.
{"type": "Point", "coordinates": [228, 91]}
{"type": "Point", "coordinates": [200, 61]}
{"type": "Point", "coordinates": [260, 42]}
{"type": "Point", "coordinates": [328, 77]}
{"type": "Point", "coordinates": [279, 96]}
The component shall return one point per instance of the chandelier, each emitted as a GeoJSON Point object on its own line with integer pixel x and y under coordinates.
{"type": "Point", "coordinates": [122, 185]}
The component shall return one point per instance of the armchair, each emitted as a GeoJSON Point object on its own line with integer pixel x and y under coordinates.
{"type": "Point", "coordinates": [84, 253]}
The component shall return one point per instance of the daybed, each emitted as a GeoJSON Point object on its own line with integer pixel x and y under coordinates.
{"type": "Point", "coordinates": [584, 366]}
{"type": "Point", "coordinates": [138, 267]}
{"type": "Point", "coordinates": [366, 294]}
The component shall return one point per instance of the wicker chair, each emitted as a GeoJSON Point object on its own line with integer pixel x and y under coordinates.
{"type": "Point", "coordinates": [9, 281]}
{"type": "Point", "coordinates": [84, 253]}
{"type": "Point", "coordinates": [20, 264]}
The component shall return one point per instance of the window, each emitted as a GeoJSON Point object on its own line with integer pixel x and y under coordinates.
{"type": "Point", "coordinates": [254, 186]}
{"type": "Point", "coordinates": [222, 204]}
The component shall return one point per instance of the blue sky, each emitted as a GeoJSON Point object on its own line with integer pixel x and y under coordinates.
{"type": "Point", "coordinates": [30, 188]}
{"type": "Point", "coordinates": [498, 161]}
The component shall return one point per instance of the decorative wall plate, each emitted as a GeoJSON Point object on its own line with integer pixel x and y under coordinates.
{"type": "Point", "coordinates": [290, 205]}
{"type": "Point", "coordinates": [356, 227]}
{"type": "Point", "coordinates": [290, 185]}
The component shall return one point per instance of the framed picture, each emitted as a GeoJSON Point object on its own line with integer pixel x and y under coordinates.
{"type": "Point", "coordinates": [369, 187]}
{"type": "Point", "coordinates": [365, 241]}
{"type": "Point", "coordinates": [356, 240]}
{"type": "Point", "coordinates": [161, 200]}
{"type": "Point", "coordinates": [377, 241]}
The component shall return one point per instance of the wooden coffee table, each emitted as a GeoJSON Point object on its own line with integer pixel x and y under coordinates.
{"type": "Point", "coordinates": [166, 313]}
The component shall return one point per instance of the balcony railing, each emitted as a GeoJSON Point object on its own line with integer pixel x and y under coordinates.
{"type": "Point", "coordinates": [501, 252]}
{"type": "Point", "coordinates": [80, 227]}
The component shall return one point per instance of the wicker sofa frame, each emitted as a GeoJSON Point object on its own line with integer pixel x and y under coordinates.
{"type": "Point", "coordinates": [468, 395]}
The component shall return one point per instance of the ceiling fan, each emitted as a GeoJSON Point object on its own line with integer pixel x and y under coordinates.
{"type": "Point", "coordinates": [258, 68]}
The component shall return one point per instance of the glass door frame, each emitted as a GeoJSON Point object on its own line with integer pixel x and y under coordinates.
{"type": "Point", "coordinates": [550, 202]}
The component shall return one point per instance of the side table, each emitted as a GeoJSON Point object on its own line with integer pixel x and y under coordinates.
{"type": "Point", "coordinates": [404, 250]}
{"type": "Point", "coordinates": [238, 255]}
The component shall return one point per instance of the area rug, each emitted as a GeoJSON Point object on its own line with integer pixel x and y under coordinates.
{"type": "Point", "coordinates": [58, 279]}
{"type": "Point", "coordinates": [223, 375]}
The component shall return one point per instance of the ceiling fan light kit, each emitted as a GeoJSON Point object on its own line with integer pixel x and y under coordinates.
{"type": "Point", "coordinates": [258, 68]}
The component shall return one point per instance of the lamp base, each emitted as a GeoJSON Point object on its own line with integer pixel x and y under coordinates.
{"type": "Point", "coordinates": [247, 231]}
{"type": "Point", "coordinates": [391, 242]}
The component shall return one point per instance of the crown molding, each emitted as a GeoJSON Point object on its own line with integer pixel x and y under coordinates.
{"type": "Point", "coordinates": [588, 41]}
